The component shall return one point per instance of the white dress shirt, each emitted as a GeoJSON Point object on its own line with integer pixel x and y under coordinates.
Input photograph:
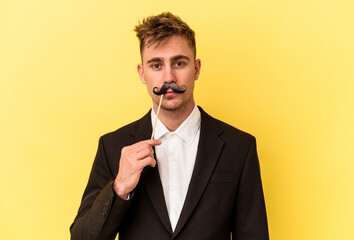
{"type": "Point", "coordinates": [175, 160]}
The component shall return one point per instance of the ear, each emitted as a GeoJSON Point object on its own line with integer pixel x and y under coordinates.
{"type": "Point", "coordinates": [197, 65]}
{"type": "Point", "coordinates": [141, 73]}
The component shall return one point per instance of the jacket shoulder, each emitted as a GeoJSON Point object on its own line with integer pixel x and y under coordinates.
{"type": "Point", "coordinates": [228, 131]}
{"type": "Point", "coordinates": [128, 133]}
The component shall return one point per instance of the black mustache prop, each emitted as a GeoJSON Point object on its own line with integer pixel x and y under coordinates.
{"type": "Point", "coordinates": [166, 86]}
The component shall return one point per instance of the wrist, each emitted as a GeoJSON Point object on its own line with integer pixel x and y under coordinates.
{"type": "Point", "coordinates": [120, 190]}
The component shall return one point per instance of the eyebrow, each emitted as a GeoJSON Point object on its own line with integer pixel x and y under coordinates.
{"type": "Point", "coordinates": [178, 57]}
{"type": "Point", "coordinates": [174, 58]}
{"type": "Point", "coordinates": [157, 59]}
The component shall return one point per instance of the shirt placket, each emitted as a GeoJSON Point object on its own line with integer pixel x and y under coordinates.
{"type": "Point", "coordinates": [173, 179]}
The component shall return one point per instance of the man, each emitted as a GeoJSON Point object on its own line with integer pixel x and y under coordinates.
{"type": "Point", "coordinates": [198, 179]}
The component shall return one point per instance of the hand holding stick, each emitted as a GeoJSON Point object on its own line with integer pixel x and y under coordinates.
{"type": "Point", "coordinates": [141, 154]}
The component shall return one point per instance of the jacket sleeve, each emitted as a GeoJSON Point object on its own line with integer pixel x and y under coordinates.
{"type": "Point", "coordinates": [250, 218]}
{"type": "Point", "coordinates": [101, 211]}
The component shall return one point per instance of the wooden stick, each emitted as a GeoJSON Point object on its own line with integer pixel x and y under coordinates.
{"type": "Point", "coordinates": [157, 115]}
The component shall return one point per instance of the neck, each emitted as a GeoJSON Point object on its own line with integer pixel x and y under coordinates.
{"type": "Point", "coordinates": [173, 119]}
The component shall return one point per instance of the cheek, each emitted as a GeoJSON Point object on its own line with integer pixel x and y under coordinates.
{"type": "Point", "coordinates": [154, 78]}
{"type": "Point", "coordinates": [188, 77]}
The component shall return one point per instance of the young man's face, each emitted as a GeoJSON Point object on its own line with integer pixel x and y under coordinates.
{"type": "Point", "coordinates": [171, 61]}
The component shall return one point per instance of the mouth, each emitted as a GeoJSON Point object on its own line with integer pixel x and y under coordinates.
{"type": "Point", "coordinates": [170, 92]}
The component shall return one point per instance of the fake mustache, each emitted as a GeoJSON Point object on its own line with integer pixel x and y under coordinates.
{"type": "Point", "coordinates": [166, 86]}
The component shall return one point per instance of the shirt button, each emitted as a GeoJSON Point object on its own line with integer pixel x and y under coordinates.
{"type": "Point", "coordinates": [172, 135]}
{"type": "Point", "coordinates": [174, 193]}
{"type": "Point", "coordinates": [173, 158]}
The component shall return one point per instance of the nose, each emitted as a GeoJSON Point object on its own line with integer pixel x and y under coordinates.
{"type": "Point", "coordinates": [169, 75]}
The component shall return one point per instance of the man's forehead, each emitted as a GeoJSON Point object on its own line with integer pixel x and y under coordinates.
{"type": "Point", "coordinates": [167, 48]}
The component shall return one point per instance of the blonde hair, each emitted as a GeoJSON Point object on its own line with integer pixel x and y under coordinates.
{"type": "Point", "coordinates": [155, 29]}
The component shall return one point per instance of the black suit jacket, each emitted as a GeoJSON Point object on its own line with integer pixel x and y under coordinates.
{"type": "Point", "coordinates": [225, 193]}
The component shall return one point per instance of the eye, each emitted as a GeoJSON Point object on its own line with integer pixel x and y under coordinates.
{"type": "Point", "coordinates": [155, 66]}
{"type": "Point", "coordinates": [179, 64]}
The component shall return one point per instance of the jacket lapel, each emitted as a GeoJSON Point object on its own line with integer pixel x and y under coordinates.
{"type": "Point", "coordinates": [150, 177]}
{"type": "Point", "coordinates": [209, 149]}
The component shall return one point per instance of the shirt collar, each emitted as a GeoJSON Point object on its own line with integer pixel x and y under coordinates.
{"type": "Point", "coordinates": [187, 130]}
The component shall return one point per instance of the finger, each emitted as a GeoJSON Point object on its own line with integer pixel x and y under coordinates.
{"type": "Point", "coordinates": [143, 144]}
{"type": "Point", "coordinates": [149, 161]}
{"type": "Point", "coordinates": [152, 142]}
{"type": "Point", "coordinates": [141, 147]}
{"type": "Point", "coordinates": [144, 153]}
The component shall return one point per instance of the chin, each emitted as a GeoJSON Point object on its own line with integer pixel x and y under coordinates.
{"type": "Point", "coordinates": [172, 107]}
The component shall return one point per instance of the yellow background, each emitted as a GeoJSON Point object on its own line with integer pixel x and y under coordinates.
{"type": "Point", "coordinates": [282, 70]}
